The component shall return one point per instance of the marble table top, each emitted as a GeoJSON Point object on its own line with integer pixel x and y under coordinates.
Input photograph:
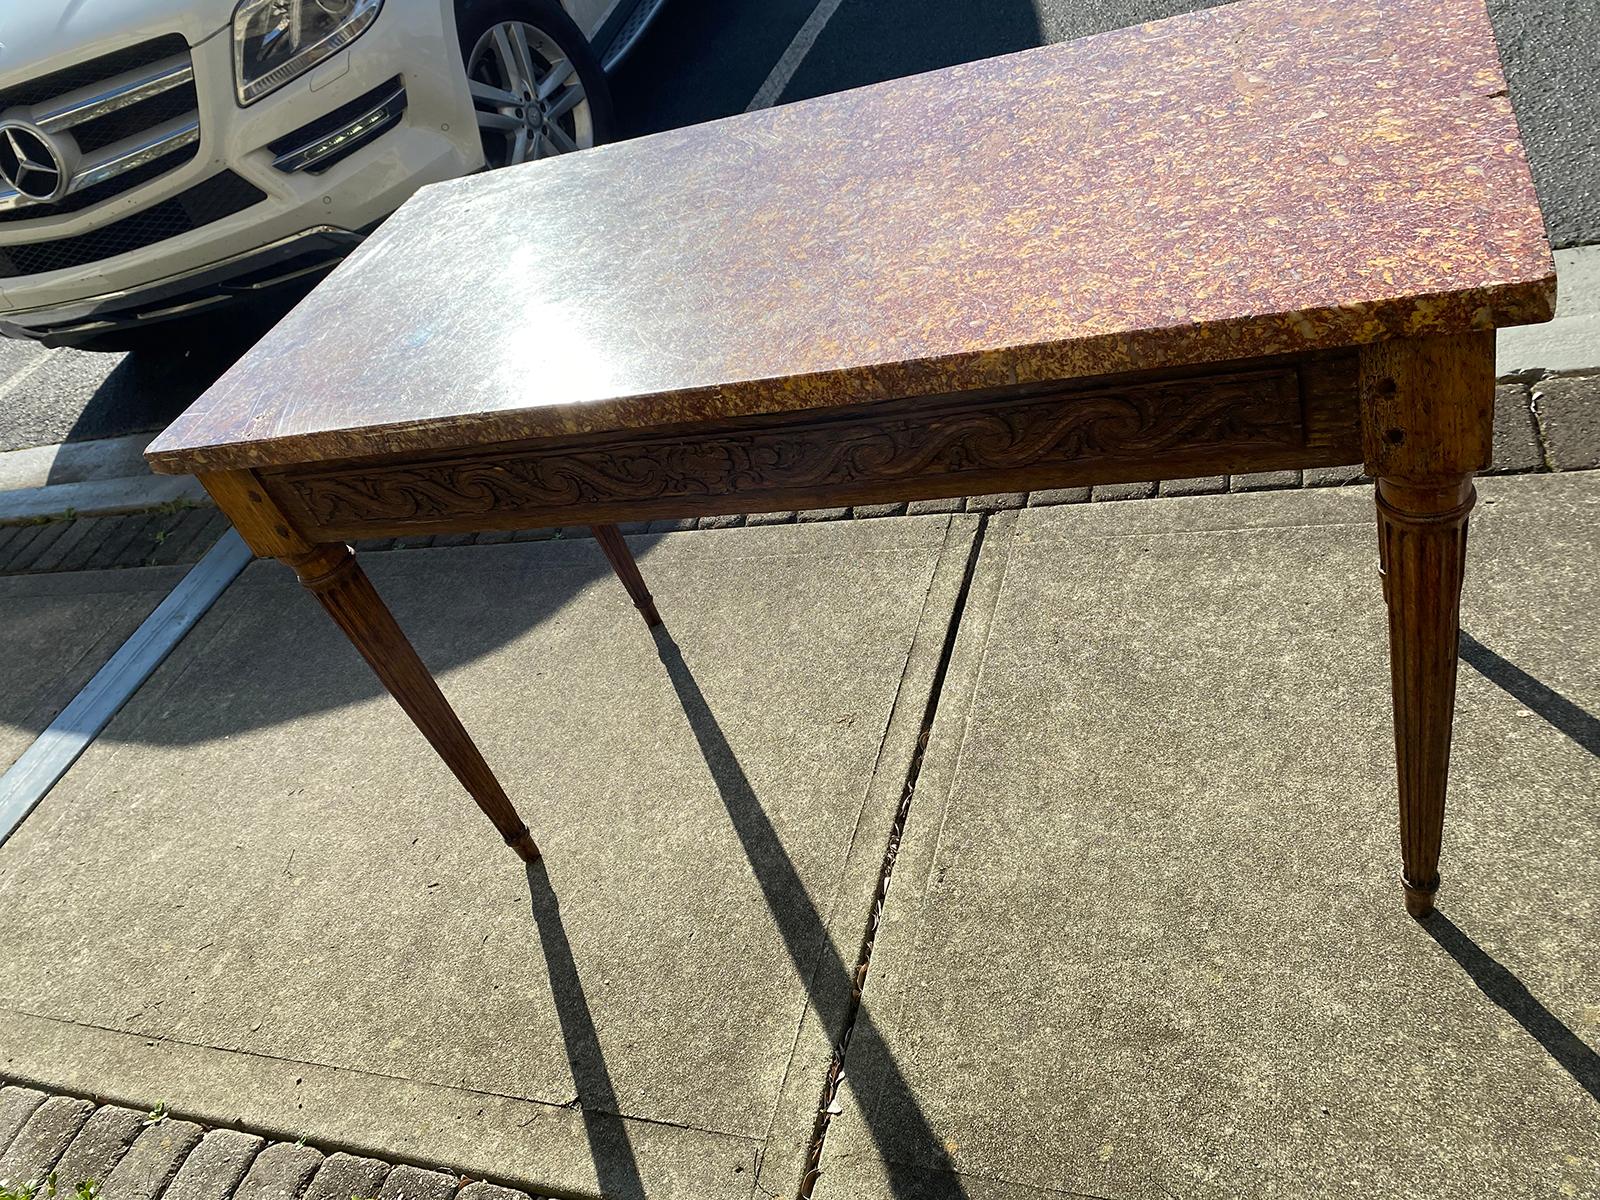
{"type": "Point", "coordinates": [1267, 177]}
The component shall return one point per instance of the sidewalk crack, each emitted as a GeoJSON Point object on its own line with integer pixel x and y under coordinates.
{"type": "Point", "coordinates": [827, 1105]}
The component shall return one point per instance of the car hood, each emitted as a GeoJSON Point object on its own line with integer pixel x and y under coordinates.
{"type": "Point", "coordinates": [40, 36]}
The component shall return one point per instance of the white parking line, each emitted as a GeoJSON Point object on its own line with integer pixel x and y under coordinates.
{"type": "Point", "coordinates": [790, 62]}
{"type": "Point", "coordinates": [43, 764]}
{"type": "Point", "coordinates": [27, 372]}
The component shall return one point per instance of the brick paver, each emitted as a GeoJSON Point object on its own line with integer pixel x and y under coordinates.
{"type": "Point", "coordinates": [99, 1146]}
{"type": "Point", "coordinates": [1516, 437]}
{"type": "Point", "coordinates": [97, 531]}
{"type": "Point", "coordinates": [1205, 485]}
{"type": "Point", "coordinates": [413, 1183]}
{"type": "Point", "coordinates": [152, 1161]}
{"type": "Point", "coordinates": [215, 1167]}
{"type": "Point", "coordinates": [45, 537]}
{"type": "Point", "coordinates": [280, 1172]}
{"type": "Point", "coordinates": [1263, 481]}
{"type": "Point", "coordinates": [1332, 476]}
{"type": "Point", "coordinates": [950, 504]}
{"type": "Point", "coordinates": [188, 537]}
{"type": "Point", "coordinates": [489, 1191]}
{"type": "Point", "coordinates": [48, 1131]}
{"type": "Point", "coordinates": [17, 1104]}
{"type": "Point", "coordinates": [73, 535]}
{"type": "Point", "coordinates": [996, 501]}
{"type": "Point", "coordinates": [343, 1176]}
{"type": "Point", "coordinates": [21, 537]}
{"type": "Point", "coordinates": [1051, 496]}
{"type": "Point", "coordinates": [1568, 410]}
{"type": "Point", "coordinates": [1122, 491]}
{"type": "Point", "coordinates": [8, 535]}
{"type": "Point", "coordinates": [133, 1158]}
{"type": "Point", "coordinates": [878, 510]}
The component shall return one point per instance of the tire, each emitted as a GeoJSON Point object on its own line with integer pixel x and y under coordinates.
{"type": "Point", "coordinates": [515, 122]}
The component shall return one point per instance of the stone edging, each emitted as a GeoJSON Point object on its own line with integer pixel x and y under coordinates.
{"type": "Point", "coordinates": [153, 1156]}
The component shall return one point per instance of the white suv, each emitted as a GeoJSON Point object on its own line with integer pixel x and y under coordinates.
{"type": "Point", "coordinates": [161, 158]}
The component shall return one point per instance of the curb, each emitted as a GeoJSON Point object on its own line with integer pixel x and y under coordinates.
{"type": "Point", "coordinates": [1569, 344]}
{"type": "Point", "coordinates": [95, 478]}
{"type": "Point", "coordinates": [99, 498]}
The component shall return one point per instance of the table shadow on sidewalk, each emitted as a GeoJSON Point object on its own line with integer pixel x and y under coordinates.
{"type": "Point", "coordinates": [1512, 995]}
{"type": "Point", "coordinates": [616, 1169]}
{"type": "Point", "coordinates": [898, 1125]}
{"type": "Point", "coordinates": [1569, 718]}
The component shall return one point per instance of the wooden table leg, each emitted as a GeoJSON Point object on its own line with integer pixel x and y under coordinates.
{"type": "Point", "coordinates": [621, 559]}
{"type": "Point", "coordinates": [1428, 419]}
{"type": "Point", "coordinates": [330, 572]}
{"type": "Point", "coordinates": [332, 575]}
{"type": "Point", "coordinates": [1422, 546]}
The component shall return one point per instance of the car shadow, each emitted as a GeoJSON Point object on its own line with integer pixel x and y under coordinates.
{"type": "Point", "coordinates": [145, 390]}
{"type": "Point", "coordinates": [870, 42]}
{"type": "Point", "coordinates": [700, 62]}
{"type": "Point", "coordinates": [269, 656]}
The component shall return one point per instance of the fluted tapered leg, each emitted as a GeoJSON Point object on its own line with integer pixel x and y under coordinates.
{"type": "Point", "coordinates": [621, 559]}
{"type": "Point", "coordinates": [1422, 542]}
{"type": "Point", "coordinates": [332, 575]}
{"type": "Point", "coordinates": [1427, 424]}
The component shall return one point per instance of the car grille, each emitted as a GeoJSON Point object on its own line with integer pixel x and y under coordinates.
{"type": "Point", "coordinates": [131, 116]}
{"type": "Point", "coordinates": [220, 196]}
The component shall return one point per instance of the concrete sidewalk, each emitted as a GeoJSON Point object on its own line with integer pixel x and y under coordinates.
{"type": "Point", "coordinates": [260, 894]}
{"type": "Point", "coordinates": [1145, 935]}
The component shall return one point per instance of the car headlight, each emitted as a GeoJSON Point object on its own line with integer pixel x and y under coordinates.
{"type": "Point", "coordinates": [276, 40]}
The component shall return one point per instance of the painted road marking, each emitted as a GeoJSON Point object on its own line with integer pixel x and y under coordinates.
{"type": "Point", "coordinates": [783, 71]}
{"type": "Point", "coordinates": [42, 764]}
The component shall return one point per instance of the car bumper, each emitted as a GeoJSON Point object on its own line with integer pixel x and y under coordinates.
{"type": "Point", "coordinates": [298, 258]}
{"type": "Point", "coordinates": [316, 196]}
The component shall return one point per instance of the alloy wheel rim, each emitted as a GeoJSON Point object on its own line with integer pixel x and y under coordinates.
{"type": "Point", "coordinates": [529, 99]}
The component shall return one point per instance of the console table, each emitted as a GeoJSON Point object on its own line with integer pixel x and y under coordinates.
{"type": "Point", "coordinates": [1264, 236]}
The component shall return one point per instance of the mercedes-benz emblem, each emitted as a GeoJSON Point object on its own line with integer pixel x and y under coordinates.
{"type": "Point", "coordinates": [32, 163]}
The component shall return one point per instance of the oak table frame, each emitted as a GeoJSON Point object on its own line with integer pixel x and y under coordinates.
{"type": "Point", "coordinates": [1398, 376]}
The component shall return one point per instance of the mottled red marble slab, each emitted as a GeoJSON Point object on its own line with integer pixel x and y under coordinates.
{"type": "Point", "coordinates": [1265, 177]}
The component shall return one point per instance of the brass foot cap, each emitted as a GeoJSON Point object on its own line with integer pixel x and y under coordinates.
{"type": "Point", "coordinates": [523, 844]}
{"type": "Point", "coordinates": [1419, 900]}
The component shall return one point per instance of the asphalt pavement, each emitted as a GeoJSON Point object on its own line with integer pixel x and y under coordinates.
{"type": "Point", "coordinates": [705, 60]}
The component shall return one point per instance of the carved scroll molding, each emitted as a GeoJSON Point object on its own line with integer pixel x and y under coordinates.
{"type": "Point", "coordinates": [923, 446]}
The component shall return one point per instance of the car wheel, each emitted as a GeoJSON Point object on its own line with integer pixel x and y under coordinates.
{"type": "Point", "coordinates": [536, 84]}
